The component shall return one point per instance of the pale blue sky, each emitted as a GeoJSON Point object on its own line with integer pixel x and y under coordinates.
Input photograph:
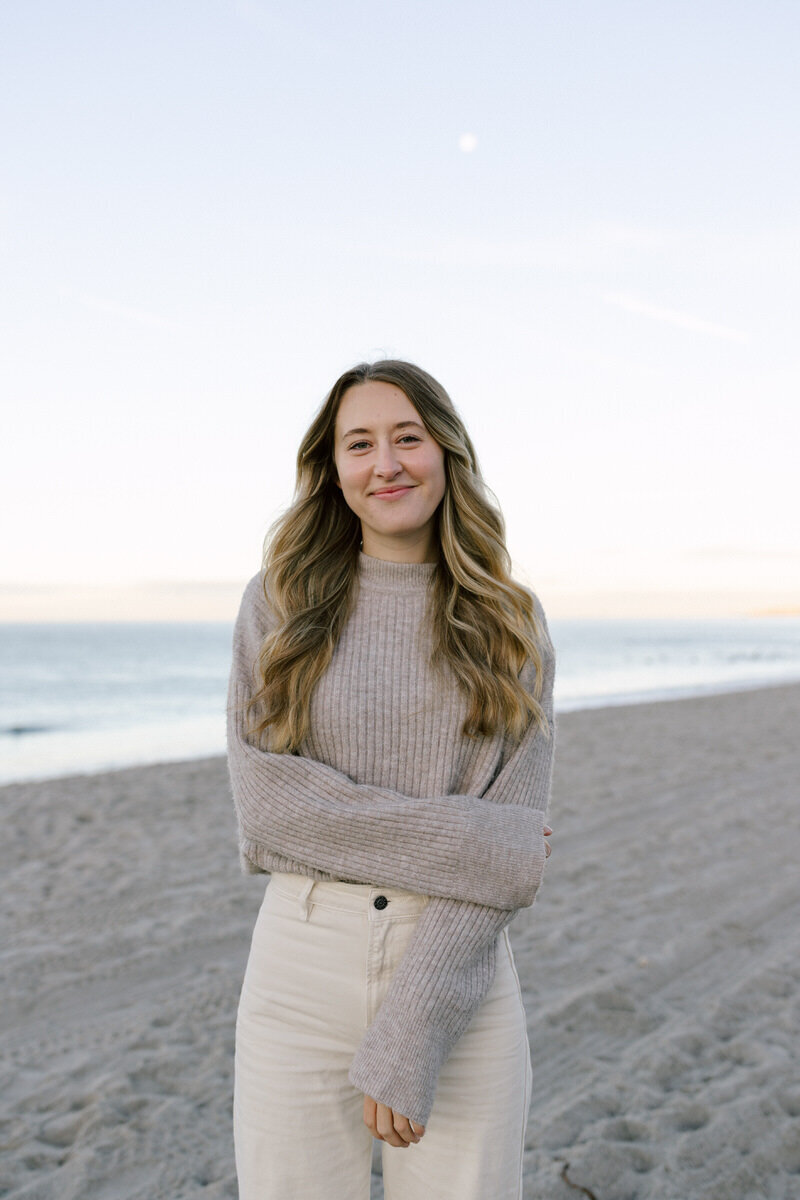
{"type": "Point", "coordinates": [209, 210]}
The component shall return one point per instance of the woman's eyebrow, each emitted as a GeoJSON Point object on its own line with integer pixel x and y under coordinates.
{"type": "Point", "coordinates": [399, 425]}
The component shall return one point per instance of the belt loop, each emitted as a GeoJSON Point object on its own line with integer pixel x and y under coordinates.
{"type": "Point", "coordinates": [304, 898]}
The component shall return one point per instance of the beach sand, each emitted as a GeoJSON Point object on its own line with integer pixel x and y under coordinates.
{"type": "Point", "coordinates": [660, 966]}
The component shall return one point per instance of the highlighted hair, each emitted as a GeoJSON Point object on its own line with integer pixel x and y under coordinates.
{"type": "Point", "coordinates": [484, 624]}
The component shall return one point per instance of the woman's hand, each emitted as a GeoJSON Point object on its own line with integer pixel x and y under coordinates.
{"type": "Point", "coordinates": [388, 1126]}
{"type": "Point", "coordinates": [547, 847]}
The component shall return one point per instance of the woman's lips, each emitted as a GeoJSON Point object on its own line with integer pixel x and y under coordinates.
{"type": "Point", "coordinates": [393, 495]}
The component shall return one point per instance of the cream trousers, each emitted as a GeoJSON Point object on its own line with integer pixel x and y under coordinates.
{"type": "Point", "coordinates": [321, 959]}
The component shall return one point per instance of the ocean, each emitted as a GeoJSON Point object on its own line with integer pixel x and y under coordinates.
{"type": "Point", "coordinates": [77, 698]}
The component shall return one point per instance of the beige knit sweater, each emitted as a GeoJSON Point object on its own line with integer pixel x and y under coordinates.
{"type": "Point", "coordinates": [386, 790]}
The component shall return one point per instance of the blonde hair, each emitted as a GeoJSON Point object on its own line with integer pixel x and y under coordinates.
{"type": "Point", "coordinates": [483, 623]}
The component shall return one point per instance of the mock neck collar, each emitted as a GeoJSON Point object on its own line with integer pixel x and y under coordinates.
{"type": "Point", "coordinates": [381, 573]}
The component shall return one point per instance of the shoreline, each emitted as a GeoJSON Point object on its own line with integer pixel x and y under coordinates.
{"type": "Point", "coordinates": [630, 700]}
{"type": "Point", "coordinates": [660, 967]}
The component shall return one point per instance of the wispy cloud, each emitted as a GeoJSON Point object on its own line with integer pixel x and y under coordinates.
{"type": "Point", "coordinates": [576, 250]}
{"type": "Point", "coordinates": [672, 316]}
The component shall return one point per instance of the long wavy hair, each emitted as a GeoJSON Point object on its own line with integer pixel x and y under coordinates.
{"type": "Point", "coordinates": [483, 623]}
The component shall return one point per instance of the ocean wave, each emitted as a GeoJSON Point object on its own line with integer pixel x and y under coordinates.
{"type": "Point", "coordinates": [24, 730]}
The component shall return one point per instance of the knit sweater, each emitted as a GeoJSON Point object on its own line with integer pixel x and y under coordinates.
{"type": "Point", "coordinates": [387, 790]}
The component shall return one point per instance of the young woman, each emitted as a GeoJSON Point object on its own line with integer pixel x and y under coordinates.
{"type": "Point", "coordinates": [391, 740]}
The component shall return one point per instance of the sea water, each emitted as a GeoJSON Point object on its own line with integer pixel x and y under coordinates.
{"type": "Point", "coordinates": [89, 697]}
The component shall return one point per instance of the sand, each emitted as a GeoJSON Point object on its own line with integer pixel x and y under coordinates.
{"type": "Point", "coordinates": [660, 965]}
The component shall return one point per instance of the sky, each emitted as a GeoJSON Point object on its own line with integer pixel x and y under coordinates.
{"type": "Point", "coordinates": [582, 218]}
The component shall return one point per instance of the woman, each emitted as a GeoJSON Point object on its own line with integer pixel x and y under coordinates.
{"type": "Point", "coordinates": [391, 739]}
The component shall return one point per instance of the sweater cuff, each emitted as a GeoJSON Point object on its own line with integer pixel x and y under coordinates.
{"type": "Point", "coordinates": [399, 1066]}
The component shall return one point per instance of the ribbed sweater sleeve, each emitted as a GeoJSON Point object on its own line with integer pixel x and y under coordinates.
{"type": "Point", "coordinates": [306, 812]}
{"type": "Point", "coordinates": [450, 963]}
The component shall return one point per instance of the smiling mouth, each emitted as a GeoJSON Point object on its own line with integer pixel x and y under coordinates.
{"type": "Point", "coordinates": [406, 487]}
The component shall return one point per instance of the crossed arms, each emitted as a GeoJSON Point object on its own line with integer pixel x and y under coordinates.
{"type": "Point", "coordinates": [478, 858]}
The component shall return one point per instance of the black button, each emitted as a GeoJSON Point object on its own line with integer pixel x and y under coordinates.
{"type": "Point", "coordinates": [380, 902]}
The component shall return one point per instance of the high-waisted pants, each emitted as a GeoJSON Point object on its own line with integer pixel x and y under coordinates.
{"type": "Point", "coordinates": [321, 958]}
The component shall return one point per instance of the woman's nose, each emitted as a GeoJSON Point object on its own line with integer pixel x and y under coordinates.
{"type": "Point", "coordinates": [386, 460]}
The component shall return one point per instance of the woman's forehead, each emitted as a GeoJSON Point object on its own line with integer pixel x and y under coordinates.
{"type": "Point", "coordinates": [377, 401]}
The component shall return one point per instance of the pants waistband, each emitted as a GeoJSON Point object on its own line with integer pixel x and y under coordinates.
{"type": "Point", "coordinates": [350, 897]}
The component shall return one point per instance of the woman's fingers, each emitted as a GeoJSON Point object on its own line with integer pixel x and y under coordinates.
{"type": "Point", "coordinates": [385, 1123]}
{"type": "Point", "coordinates": [547, 847]}
{"type": "Point", "coordinates": [370, 1117]}
{"type": "Point", "coordinates": [394, 1128]}
{"type": "Point", "coordinates": [389, 1126]}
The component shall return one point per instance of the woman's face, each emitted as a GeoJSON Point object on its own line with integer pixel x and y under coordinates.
{"type": "Point", "coordinates": [390, 470]}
